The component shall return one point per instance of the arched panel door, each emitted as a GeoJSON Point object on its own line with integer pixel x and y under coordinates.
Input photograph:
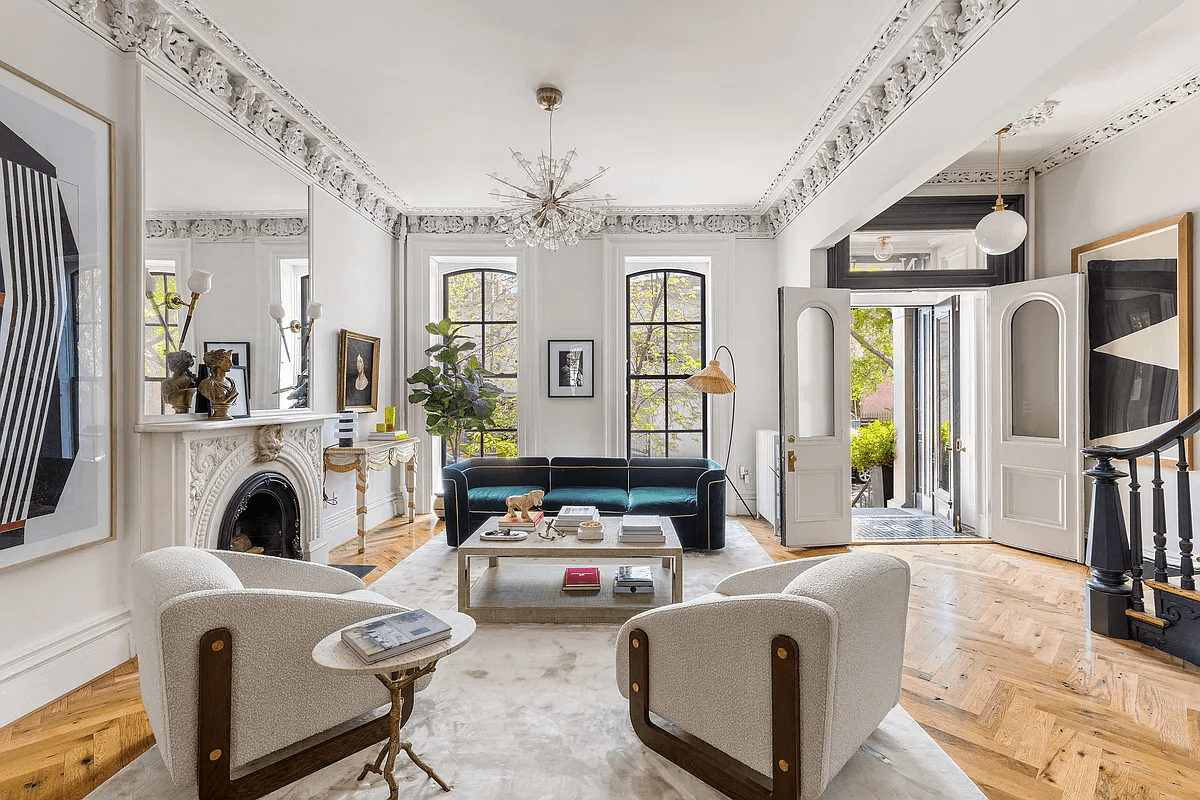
{"type": "Point", "coordinates": [814, 401]}
{"type": "Point", "coordinates": [1036, 415]}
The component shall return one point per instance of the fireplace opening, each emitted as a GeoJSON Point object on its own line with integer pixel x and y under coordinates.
{"type": "Point", "coordinates": [263, 517]}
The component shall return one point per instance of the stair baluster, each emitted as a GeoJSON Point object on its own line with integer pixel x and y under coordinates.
{"type": "Point", "coordinates": [1160, 522]}
{"type": "Point", "coordinates": [1186, 570]}
{"type": "Point", "coordinates": [1135, 537]}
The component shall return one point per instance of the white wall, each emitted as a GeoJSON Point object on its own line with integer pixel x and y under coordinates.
{"type": "Point", "coordinates": [66, 618]}
{"type": "Point", "coordinates": [1147, 175]}
{"type": "Point", "coordinates": [356, 277]}
{"type": "Point", "coordinates": [571, 297]}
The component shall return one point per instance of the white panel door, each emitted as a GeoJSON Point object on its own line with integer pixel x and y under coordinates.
{"type": "Point", "coordinates": [814, 402]}
{"type": "Point", "coordinates": [1035, 340]}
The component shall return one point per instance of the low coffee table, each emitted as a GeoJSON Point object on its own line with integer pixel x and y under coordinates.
{"type": "Point", "coordinates": [523, 581]}
{"type": "Point", "coordinates": [333, 655]}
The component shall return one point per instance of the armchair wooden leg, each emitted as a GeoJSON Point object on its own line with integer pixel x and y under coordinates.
{"type": "Point", "coordinates": [215, 721]}
{"type": "Point", "coordinates": [715, 767]}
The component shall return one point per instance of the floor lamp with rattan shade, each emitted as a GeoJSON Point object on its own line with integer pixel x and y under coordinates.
{"type": "Point", "coordinates": [713, 380]}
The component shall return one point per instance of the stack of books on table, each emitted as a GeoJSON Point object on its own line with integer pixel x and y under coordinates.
{"type": "Point", "coordinates": [386, 436]}
{"type": "Point", "coordinates": [633, 580]}
{"type": "Point", "coordinates": [507, 523]}
{"type": "Point", "coordinates": [581, 579]}
{"type": "Point", "coordinates": [391, 636]}
{"type": "Point", "coordinates": [636, 528]}
{"type": "Point", "coordinates": [569, 517]}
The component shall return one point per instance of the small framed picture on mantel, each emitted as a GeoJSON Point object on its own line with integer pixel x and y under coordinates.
{"type": "Point", "coordinates": [571, 367]}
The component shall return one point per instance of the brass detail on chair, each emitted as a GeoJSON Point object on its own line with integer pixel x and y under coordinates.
{"type": "Point", "coordinates": [218, 646]}
{"type": "Point", "coordinates": [214, 755]}
{"type": "Point", "coordinates": [635, 687]}
{"type": "Point", "coordinates": [636, 643]}
{"type": "Point", "coordinates": [783, 765]}
{"type": "Point", "coordinates": [782, 653]}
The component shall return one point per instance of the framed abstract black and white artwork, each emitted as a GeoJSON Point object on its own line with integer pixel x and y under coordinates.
{"type": "Point", "coordinates": [1139, 334]}
{"type": "Point", "coordinates": [571, 367]}
{"type": "Point", "coordinates": [57, 491]}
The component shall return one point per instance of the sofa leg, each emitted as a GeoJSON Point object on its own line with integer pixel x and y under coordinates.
{"type": "Point", "coordinates": [715, 767]}
{"type": "Point", "coordinates": [213, 733]}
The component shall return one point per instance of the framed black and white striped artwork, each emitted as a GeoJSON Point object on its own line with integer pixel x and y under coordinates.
{"type": "Point", "coordinates": [57, 488]}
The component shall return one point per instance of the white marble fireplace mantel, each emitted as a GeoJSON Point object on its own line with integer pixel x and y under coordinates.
{"type": "Point", "coordinates": [192, 466]}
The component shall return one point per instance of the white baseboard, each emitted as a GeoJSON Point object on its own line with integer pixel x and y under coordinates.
{"type": "Point", "coordinates": [733, 506]}
{"type": "Point", "coordinates": [35, 674]}
{"type": "Point", "coordinates": [342, 525]}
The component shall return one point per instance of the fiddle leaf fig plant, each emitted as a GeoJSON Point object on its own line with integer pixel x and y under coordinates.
{"type": "Point", "coordinates": [454, 390]}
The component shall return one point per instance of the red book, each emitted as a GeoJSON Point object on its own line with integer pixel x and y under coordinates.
{"type": "Point", "coordinates": [581, 579]}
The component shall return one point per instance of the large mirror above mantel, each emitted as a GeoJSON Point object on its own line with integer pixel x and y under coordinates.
{"type": "Point", "coordinates": [215, 204]}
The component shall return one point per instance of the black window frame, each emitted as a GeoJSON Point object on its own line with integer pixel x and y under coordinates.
{"type": "Point", "coordinates": [666, 377]}
{"type": "Point", "coordinates": [480, 352]}
{"type": "Point", "coordinates": [164, 323]}
{"type": "Point", "coordinates": [931, 213]}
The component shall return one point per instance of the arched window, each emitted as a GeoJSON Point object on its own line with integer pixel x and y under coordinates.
{"type": "Point", "coordinates": [485, 301]}
{"type": "Point", "coordinates": [665, 316]}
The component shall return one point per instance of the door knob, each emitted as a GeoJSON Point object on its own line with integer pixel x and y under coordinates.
{"type": "Point", "coordinates": [959, 446]}
{"type": "Point", "coordinates": [791, 460]}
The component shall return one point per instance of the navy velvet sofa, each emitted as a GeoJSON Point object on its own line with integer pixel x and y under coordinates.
{"type": "Point", "coordinates": [691, 491]}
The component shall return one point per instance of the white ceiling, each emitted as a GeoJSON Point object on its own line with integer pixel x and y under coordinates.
{"type": "Point", "coordinates": [194, 165]}
{"type": "Point", "coordinates": [1148, 62]}
{"type": "Point", "coordinates": [690, 102]}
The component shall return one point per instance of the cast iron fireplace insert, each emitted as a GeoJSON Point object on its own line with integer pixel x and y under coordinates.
{"type": "Point", "coordinates": [263, 512]}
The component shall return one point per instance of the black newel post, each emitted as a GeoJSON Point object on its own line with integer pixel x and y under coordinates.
{"type": "Point", "coordinates": [1108, 590]}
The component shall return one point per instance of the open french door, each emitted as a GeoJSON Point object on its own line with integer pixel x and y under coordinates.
{"type": "Point", "coordinates": [1035, 337]}
{"type": "Point", "coordinates": [814, 425]}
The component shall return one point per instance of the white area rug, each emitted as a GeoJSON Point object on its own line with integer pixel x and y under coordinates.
{"type": "Point", "coordinates": [532, 712]}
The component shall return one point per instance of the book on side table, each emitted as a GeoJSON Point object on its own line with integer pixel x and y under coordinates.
{"type": "Point", "coordinates": [569, 518]}
{"type": "Point", "coordinates": [507, 523]}
{"type": "Point", "coordinates": [633, 580]}
{"type": "Point", "coordinates": [641, 528]}
{"type": "Point", "coordinates": [383, 638]}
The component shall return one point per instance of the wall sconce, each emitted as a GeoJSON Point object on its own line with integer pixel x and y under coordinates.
{"type": "Point", "coordinates": [278, 312]}
{"type": "Point", "coordinates": [199, 282]}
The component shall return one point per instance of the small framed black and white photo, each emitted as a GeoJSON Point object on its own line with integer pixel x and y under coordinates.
{"type": "Point", "coordinates": [241, 381]}
{"type": "Point", "coordinates": [241, 355]}
{"type": "Point", "coordinates": [572, 368]}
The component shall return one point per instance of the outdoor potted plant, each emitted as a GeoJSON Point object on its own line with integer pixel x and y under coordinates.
{"type": "Point", "coordinates": [454, 390]}
{"type": "Point", "coordinates": [875, 446]}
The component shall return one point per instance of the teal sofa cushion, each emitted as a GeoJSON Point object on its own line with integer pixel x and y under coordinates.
{"type": "Point", "coordinates": [662, 500]}
{"type": "Point", "coordinates": [604, 498]}
{"type": "Point", "coordinates": [491, 498]}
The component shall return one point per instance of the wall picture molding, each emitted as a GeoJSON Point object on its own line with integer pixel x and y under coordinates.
{"type": "Point", "coordinates": [57, 490]}
{"type": "Point", "coordinates": [1139, 310]}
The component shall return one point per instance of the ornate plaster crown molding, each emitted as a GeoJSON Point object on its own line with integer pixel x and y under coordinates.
{"type": "Point", "coordinates": [878, 91]}
{"type": "Point", "coordinates": [743, 226]}
{"type": "Point", "coordinates": [236, 228]}
{"type": "Point", "coordinates": [1149, 107]}
{"type": "Point", "coordinates": [184, 42]}
{"type": "Point", "coordinates": [972, 176]}
{"type": "Point", "coordinates": [1139, 113]}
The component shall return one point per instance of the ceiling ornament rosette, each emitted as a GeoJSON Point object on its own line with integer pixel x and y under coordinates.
{"type": "Point", "coordinates": [182, 40]}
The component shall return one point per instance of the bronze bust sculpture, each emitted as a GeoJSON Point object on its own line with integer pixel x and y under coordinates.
{"type": "Point", "coordinates": [179, 389]}
{"type": "Point", "coordinates": [217, 387]}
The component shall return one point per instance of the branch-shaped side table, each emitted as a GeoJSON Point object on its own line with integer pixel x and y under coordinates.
{"type": "Point", "coordinates": [332, 655]}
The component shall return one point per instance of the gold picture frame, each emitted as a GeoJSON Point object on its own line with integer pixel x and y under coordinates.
{"type": "Point", "coordinates": [50, 122]}
{"type": "Point", "coordinates": [1144, 252]}
{"type": "Point", "coordinates": [358, 372]}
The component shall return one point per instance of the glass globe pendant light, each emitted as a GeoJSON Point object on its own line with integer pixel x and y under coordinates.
{"type": "Point", "coordinates": [885, 250]}
{"type": "Point", "coordinates": [1001, 231]}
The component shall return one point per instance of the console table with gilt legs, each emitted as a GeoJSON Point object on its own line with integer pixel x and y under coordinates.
{"type": "Point", "coordinates": [363, 457]}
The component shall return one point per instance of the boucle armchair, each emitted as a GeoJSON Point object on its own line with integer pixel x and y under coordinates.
{"type": "Point", "coordinates": [224, 643]}
{"type": "Point", "coordinates": [767, 686]}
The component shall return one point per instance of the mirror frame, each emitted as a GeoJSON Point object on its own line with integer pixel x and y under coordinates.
{"type": "Point", "coordinates": [931, 213]}
{"type": "Point", "coordinates": [146, 77]}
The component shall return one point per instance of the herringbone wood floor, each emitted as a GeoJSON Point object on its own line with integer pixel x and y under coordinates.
{"type": "Point", "coordinates": [1000, 669]}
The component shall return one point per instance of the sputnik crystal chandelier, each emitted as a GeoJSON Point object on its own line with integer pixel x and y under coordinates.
{"type": "Point", "coordinates": [548, 211]}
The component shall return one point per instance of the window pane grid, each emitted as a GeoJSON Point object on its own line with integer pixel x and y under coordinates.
{"type": "Point", "coordinates": [661, 412]}
{"type": "Point", "coordinates": [484, 300]}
